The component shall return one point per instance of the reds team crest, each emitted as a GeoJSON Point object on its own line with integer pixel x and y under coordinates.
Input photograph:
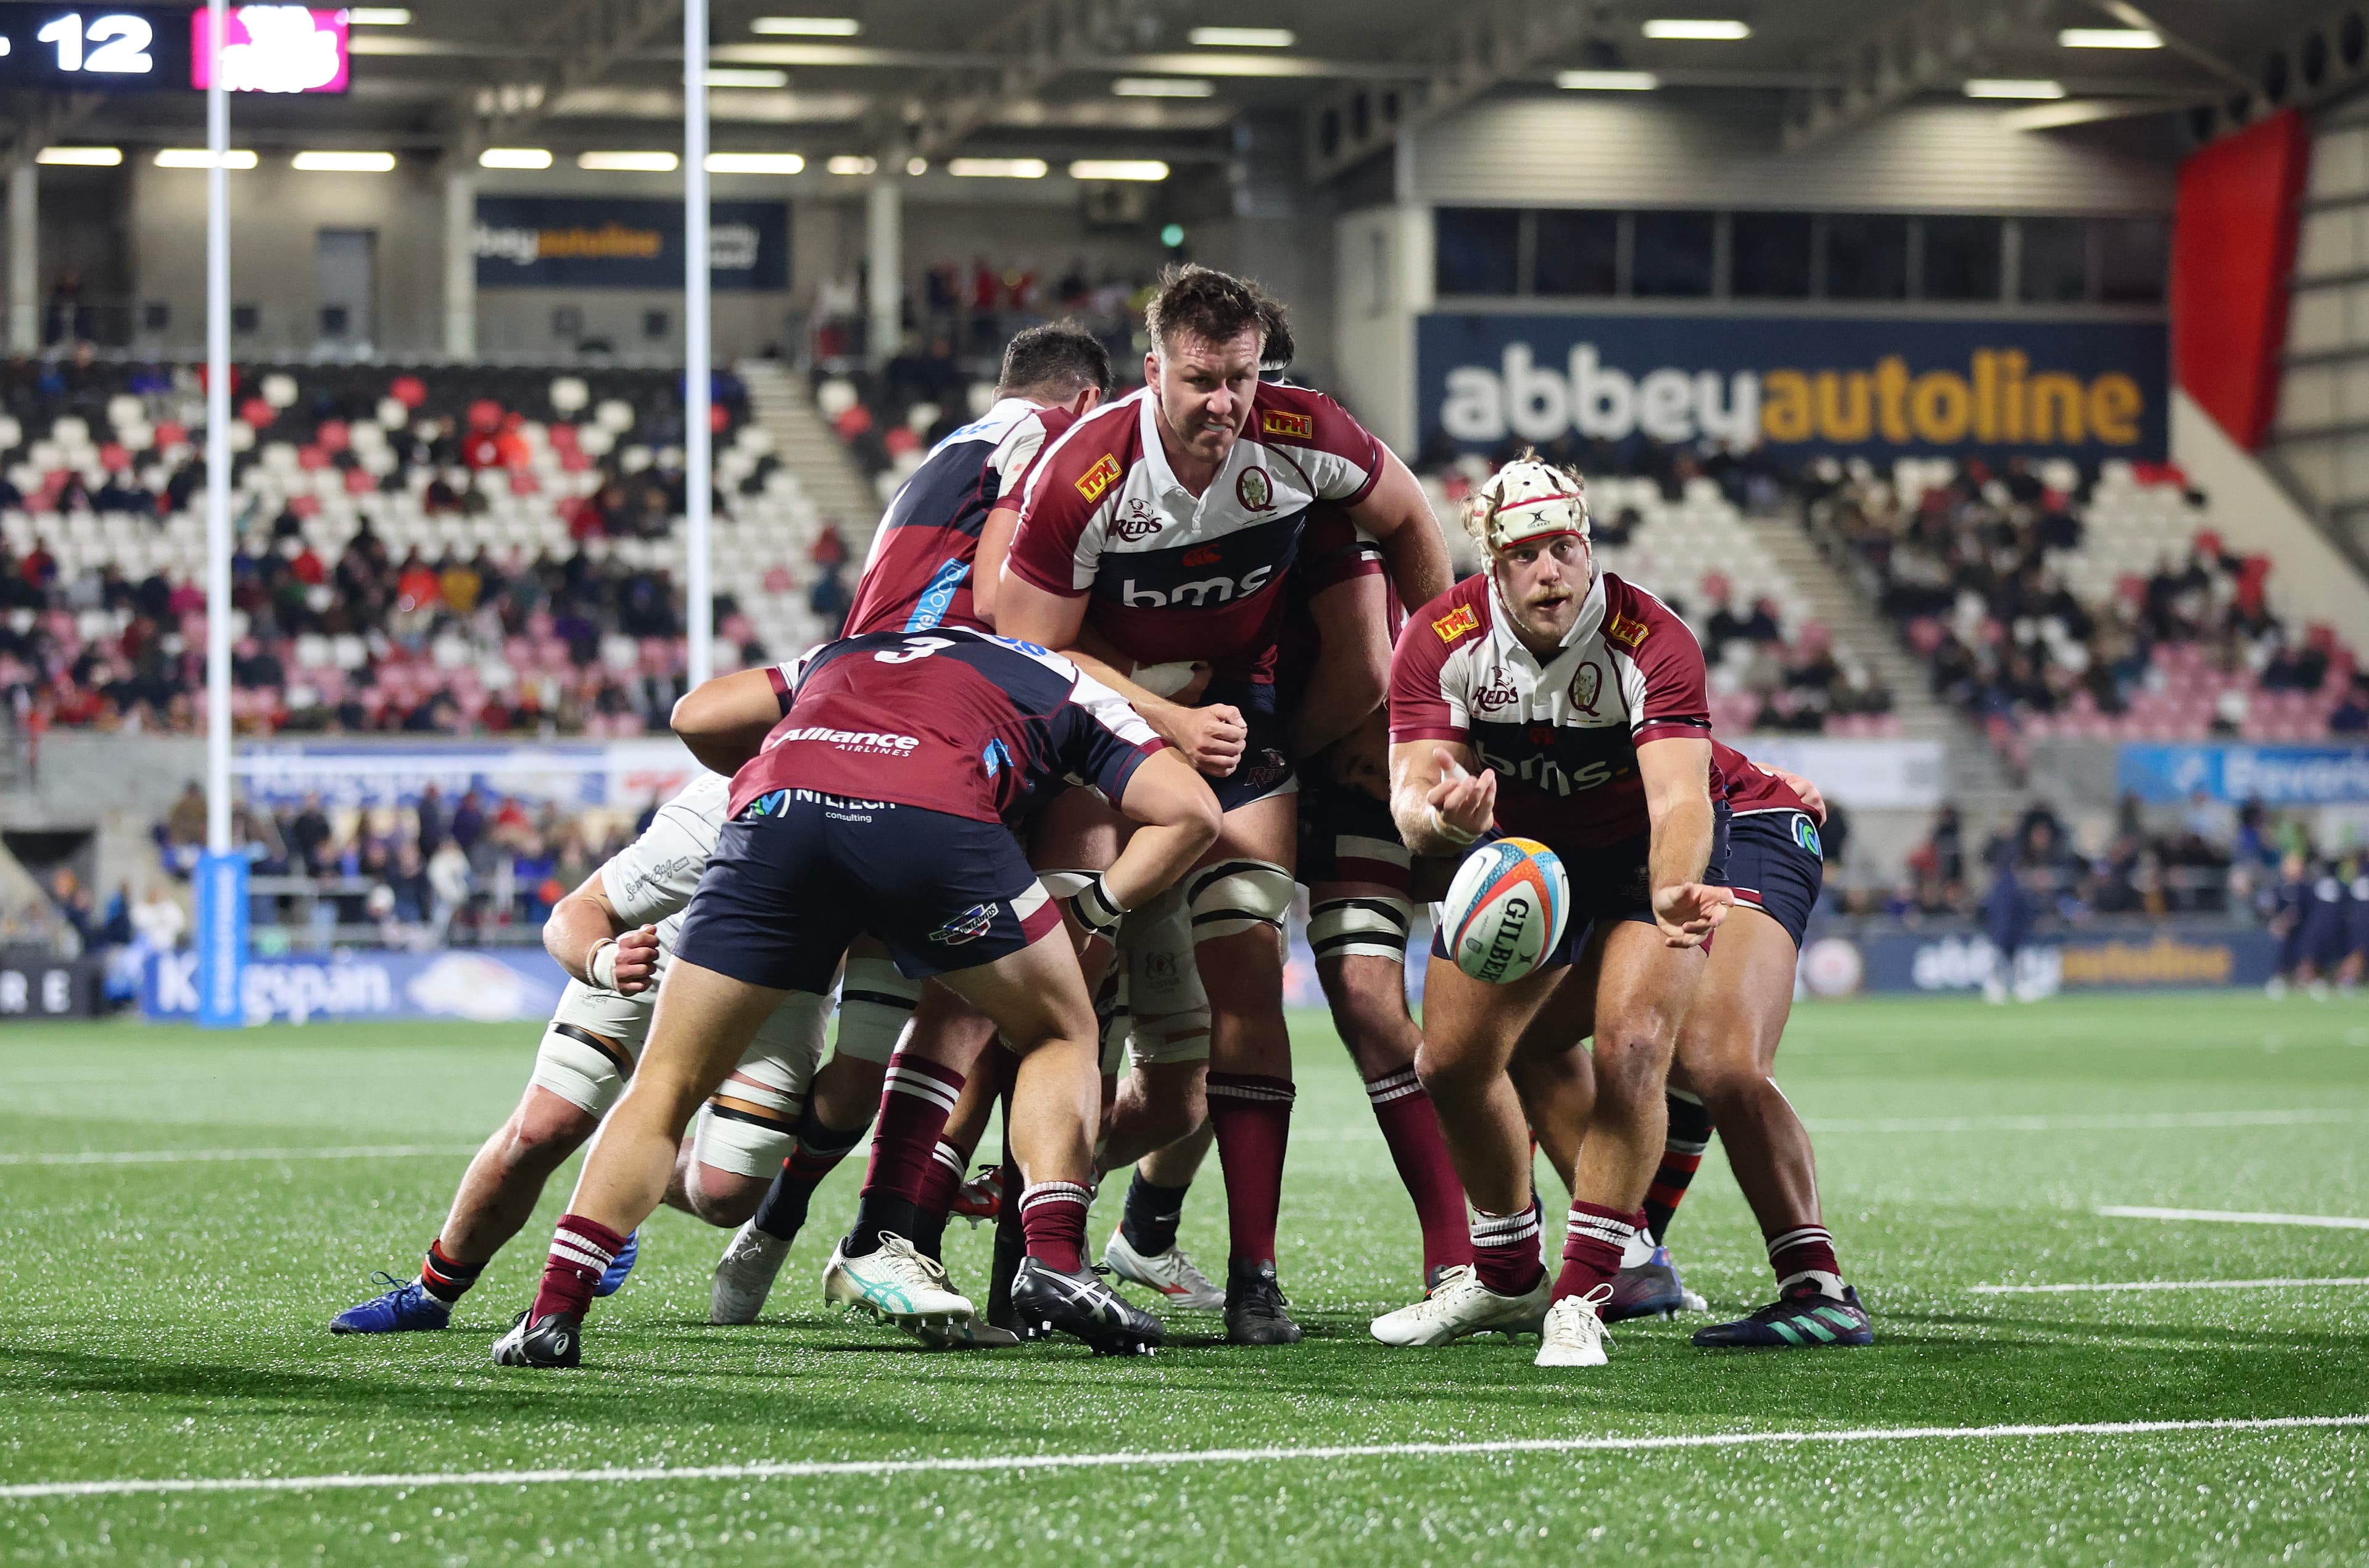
{"type": "Point", "coordinates": [1586, 684]}
{"type": "Point", "coordinates": [1254, 490]}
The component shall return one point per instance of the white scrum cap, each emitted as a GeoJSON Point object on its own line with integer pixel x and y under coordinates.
{"type": "Point", "coordinates": [1526, 499]}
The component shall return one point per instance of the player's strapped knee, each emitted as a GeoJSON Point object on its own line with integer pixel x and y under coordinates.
{"type": "Point", "coordinates": [876, 1002]}
{"type": "Point", "coordinates": [751, 1124]}
{"type": "Point", "coordinates": [1111, 1013]}
{"type": "Point", "coordinates": [1169, 1036]}
{"type": "Point", "coordinates": [1369, 926]}
{"type": "Point", "coordinates": [1236, 896]}
{"type": "Point", "coordinates": [581, 1067]}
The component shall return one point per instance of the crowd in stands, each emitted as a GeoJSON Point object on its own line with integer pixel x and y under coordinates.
{"type": "Point", "coordinates": [479, 551]}
{"type": "Point", "coordinates": [2052, 601]}
{"type": "Point", "coordinates": [480, 868]}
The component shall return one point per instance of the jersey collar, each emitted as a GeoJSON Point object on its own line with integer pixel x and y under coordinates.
{"type": "Point", "coordinates": [1591, 619]}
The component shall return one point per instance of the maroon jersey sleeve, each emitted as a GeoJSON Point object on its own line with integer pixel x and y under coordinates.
{"type": "Point", "coordinates": [1750, 786]}
{"type": "Point", "coordinates": [1067, 501]}
{"type": "Point", "coordinates": [1428, 697]}
{"type": "Point", "coordinates": [1340, 458]}
{"type": "Point", "coordinates": [1660, 664]}
{"type": "Point", "coordinates": [1333, 551]}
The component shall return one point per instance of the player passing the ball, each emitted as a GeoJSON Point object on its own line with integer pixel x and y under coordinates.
{"type": "Point", "coordinates": [1544, 699]}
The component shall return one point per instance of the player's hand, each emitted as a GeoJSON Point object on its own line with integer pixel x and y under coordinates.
{"type": "Point", "coordinates": [1690, 911]}
{"type": "Point", "coordinates": [637, 960]}
{"type": "Point", "coordinates": [1212, 738]}
{"type": "Point", "coordinates": [1801, 786]}
{"type": "Point", "coordinates": [1466, 802]}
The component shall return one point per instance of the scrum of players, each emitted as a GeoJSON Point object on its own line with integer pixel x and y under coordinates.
{"type": "Point", "coordinates": [1119, 675]}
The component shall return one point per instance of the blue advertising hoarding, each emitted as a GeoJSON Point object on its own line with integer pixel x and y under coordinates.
{"type": "Point", "coordinates": [2276, 776]}
{"type": "Point", "coordinates": [565, 242]}
{"type": "Point", "coordinates": [1872, 386]}
{"type": "Point", "coordinates": [2169, 956]}
{"type": "Point", "coordinates": [480, 985]}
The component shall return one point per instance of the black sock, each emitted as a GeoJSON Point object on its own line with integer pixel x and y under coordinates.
{"type": "Point", "coordinates": [816, 1155]}
{"type": "Point", "coordinates": [1011, 1246]}
{"type": "Point", "coordinates": [1150, 1219]}
{"type": "Point", "coordinates": [1682, 1155]}
{"type": "Point", "coordinates": [880, 1211]}
{"type": "Point", "coordinates": [929, 1233]}
{"type": "Point", "coordinates": [447, 1280]}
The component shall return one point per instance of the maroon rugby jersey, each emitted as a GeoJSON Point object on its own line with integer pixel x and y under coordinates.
{"type": "Point", "coordinates": [1562, 732]}
{"type": "Point", "coordinates": [1174, 577]}
{"type": "Point", "coordinates": [919, 573]}
{"type": "Point", "coordinates": [1751, 788]}
{"type": "Point", "coordinates": [951, 720]}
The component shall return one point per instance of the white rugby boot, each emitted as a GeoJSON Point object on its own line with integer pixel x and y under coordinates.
{"type": "Point", "coordinates": [1574, 1335]}
{"type": "Point", "coordinates": [895, 1284]}
{"type": "Point", "coordinates": [744, 1275]}
{"type": "Point", "coordinates": [1179, 1281]}
{"type": "Point", "coordinates": [1460, 1306]}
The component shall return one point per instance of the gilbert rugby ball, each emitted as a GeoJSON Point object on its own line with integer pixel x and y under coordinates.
{"type": "Point", "coordinates": [1507, 910]}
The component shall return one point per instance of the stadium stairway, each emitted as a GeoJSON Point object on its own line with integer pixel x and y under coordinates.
{"type": "Point", "coordinates": [780, 403]}
{"type": "Point", "coordinates": [1975, 774]}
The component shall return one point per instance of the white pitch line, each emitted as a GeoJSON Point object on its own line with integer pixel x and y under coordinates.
{"type": "Point", "coordinates": [2165, 1285]}
{"type": "Point", "coordinates": [956, 1465]}
{"type": "Point", "coordinates": [2136, 1121]}
{"type": "Point", "coordinates": [2237, 1217]}
{"type": "Point", "coordinates": [208, 1156]}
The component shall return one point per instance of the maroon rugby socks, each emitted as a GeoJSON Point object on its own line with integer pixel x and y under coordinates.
{"type": "Point", "coordinates": [1593, 1242]}
{"type": "Point", "coordinates": [1053, 1222]}
{"type": "Point", "coordinates": [1252, 1115]}
{"type": "Point", "coordinates": [1411, 1128]}
{"type": "Point", "coordinates": [914, 1103]}
{"type": "Point", "coordinates": [581, 1251]}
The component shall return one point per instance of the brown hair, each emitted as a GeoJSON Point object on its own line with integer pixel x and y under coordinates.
{"type": "Point", "coordinates": [1218, 307]}
{"type": "Point", "coordinates": [1055, 361]}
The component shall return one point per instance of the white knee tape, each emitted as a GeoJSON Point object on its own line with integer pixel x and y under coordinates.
{"type": "Point", "coordinates": [1065, 884]}
{"type": "Point", "coordinates": [1169, 1037]}
{"type": "Point", "coordinates": [578, 1071]}
{"type": "Point", "coordinates": [1236, 895]}
{"type": "Point", "coordinates": [729, 1142]}
{"type": "Point", "coordinates": [1372, 926]}
{"type": "Point", "coordinates": [876, 1002]}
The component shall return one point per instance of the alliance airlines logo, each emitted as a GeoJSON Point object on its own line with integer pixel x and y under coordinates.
{"type": "Point", "coordinates": [1997, 397]}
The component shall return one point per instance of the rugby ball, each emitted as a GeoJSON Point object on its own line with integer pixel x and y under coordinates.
{"type": "Point", "coordinates": [1507, 910]}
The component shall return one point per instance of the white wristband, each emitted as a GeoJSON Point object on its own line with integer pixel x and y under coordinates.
{"type": "Point", "coordinates": [601, 964]}
{"type": "Point", "coordinates": [1461, 838]}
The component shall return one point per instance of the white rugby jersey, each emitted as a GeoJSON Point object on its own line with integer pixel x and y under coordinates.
{"type": "Point", "coordinates": [1174, 576]}
{"type": "Point", "coordinates": [650, 881]}
{"type": "Point", "coordinates": [1561, 732]}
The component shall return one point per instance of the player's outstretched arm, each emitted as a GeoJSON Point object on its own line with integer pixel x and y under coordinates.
{"type": "Point", "coordinates": [1353, 668]}
{"type": "Point", "coordinates": [1398, 515]}
{"type": "Point", "coordinates": [987, 566]}
{"type": "Point", "coordinates": [1675, 773]}
{"type": "Point", "coordinates": [1438, 801]}
{"type": "Point", "coordinates": [1178, 821]}
{"type": "Point", "coordinates": [589, 940]}
{"type": "Point", "coordinates": [724, 721]}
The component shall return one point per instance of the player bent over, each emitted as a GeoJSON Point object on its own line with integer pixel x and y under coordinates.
{"type": "Point", "coordinates": [1726, 1051]}
{"type": "Point", "coordinates": [1580, 701]}
{"type": "Point", "coordinates": [883, 802]}
{"type": "Point", "coordinates": [604, 936]}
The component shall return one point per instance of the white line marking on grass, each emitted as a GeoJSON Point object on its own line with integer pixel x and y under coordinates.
{"type": "Point", "coordinates": [208, 1156]}
{"type": "Point", "coordinates": [2236, 1216]}
{"type": "Point", "coordinates": [2134, 1122]}
{"type": "Point", "coordinates": [2165, 1285]}
{"type": "Point", "coordinates": [958, 1465]}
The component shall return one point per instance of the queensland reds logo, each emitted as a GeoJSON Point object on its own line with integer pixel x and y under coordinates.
{"type": "Point", "coordinates": [1586, 684]}
{"type": "Point", "coordinates": [1498, 694]}
{"type": "Point", "coordinates": [1254, 490]}
{"type": "Point", "coordinates": [1136, 519]}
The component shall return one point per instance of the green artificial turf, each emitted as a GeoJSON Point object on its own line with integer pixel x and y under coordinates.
{"type": "Point", "coordinates": [169, 1319]}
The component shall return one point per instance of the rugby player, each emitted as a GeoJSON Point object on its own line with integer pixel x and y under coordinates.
{"type": "Point", "coordinates": [1557, 703]}
{"type": "Point", "coordinates": [612, 936]}
{"type": "Point", "coordinates": [1726, 1051]}
{"type": "Point", "coordinates": [1158, 532]}
{"type": "Point", "coordinates": [883, 802]}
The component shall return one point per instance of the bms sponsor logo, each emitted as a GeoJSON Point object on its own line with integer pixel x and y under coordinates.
{"type": "Point", "coordinates": [1997, 395]}
{"type": "Point", "coordinates": [1191, 595]}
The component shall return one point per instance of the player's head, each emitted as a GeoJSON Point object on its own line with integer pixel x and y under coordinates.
{"type": "Point", "coordinates": [1060, 363]}
{"type": "Point", "coordinates": [1531, 519]}
{"type": "Point", "coordinates": [1210, 334]}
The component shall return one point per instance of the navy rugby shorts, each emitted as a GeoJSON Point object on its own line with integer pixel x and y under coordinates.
{"type": "Point", "coordinates": [1608, 885]}
{"type": "Point", "coordinates": [1345, 835]}
{"type": "Point", "coordinates": [1265, 769]}
{"type": "Point", "coordinates": [798, 873]}
{"type": "Point", "coordinates": [1775, 864]}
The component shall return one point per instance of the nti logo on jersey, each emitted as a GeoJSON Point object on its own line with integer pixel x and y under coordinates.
{"type": "Point", "coordinates": [1100, 478]}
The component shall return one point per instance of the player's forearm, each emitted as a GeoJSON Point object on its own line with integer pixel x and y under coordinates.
{"type": "Point", "coordinates": [1418, 561]}
{"type": "Point", "coordinates": [1154, 858]}
{"type": "Point", "coordinates": [1681, 842]}
{"type": "Point", "coordinates": [724, 721]}
{"type": "Point", "coordinates": [1156, 710]}
{"type": "Point", "coordinates": [576, 926]}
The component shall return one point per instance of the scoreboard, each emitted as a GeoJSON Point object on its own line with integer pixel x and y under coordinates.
{"type": "Point", "coordinates": [111, 49]}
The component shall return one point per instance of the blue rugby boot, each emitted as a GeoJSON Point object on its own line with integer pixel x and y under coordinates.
{"type": "Point", "coordinates": [406, 1307]}
{"type": "Point", "coordinates": [613, 1278]}
{"type": "Point", "coordinates": [1651, 1289]}
{"type": "Point", "coordinates": [1804, 1318]}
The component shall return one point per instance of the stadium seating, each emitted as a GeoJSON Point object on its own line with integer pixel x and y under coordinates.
{"type": "Point", "coordinates": [486, 471]}
{"type": "Point", "coordinates": [2101, 608]}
